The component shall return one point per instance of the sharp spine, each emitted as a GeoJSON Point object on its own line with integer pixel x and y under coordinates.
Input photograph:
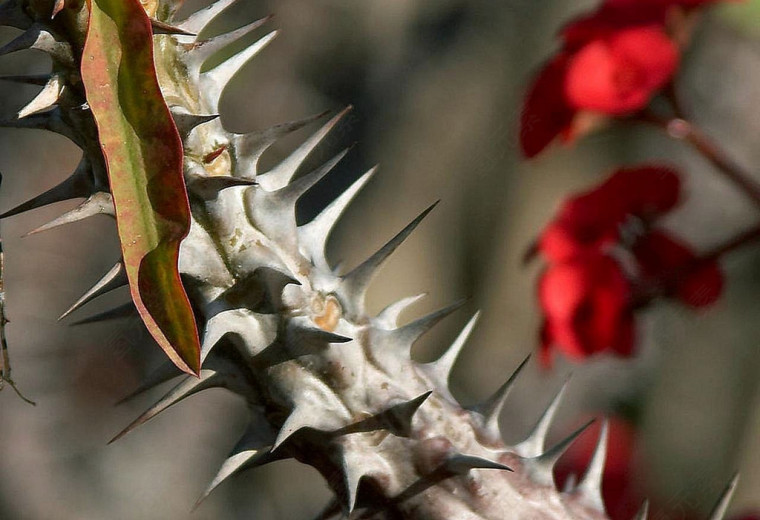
{"type": "Point", "coordinates": [75, 186]}
{"type": "Point", "coordinates": [39, 38]}
{"type": "Point", "coordinates": [589, 490]}
{"type": "Point", "coordinates": [719, 512]}
{"type": "Point", "coordinates": [406, 336]}
{"type": "Point", "coordinates": [314, 235]}
{"type": "Point", "coordinates": [388, 317]}
{"type": "Point", "coordinates": [290, 194]}
{"type": "Point", "coordinates": [440, 369]}
{"type": "Point", "coordinates": [282, 174]}
{"type": "Point", "coordinates": [216, 79]}
{"type": "Point", "coordinates": [204, 49]}
{"type": "Point", "coordinates": [491, 408]}
{"type": "Point", "coordinates": [100, 203]}
{"type": "Point", "coordinates": [198, 21]}
{"type": "Point", "coordinates": [542, 467]}
{"type": "Point", "coordinates": [47, 98]}
{"type": "Point", "coordinates": [187, 122]}
{"type": "Point", "coordinates": [252, 450]}
{"type": "Point", "coordinates": [160, 27]}
{"type": "Point", "coordinates": [116, 277]}
{"type": "Point", "coordinates": [249, 147]}
{"type": "Point", "coordinates": [188, 387]}
{"type": "Point", "coordinates": [535, 444]}
{"type": "Point", "coordinates": [397, 419]}
{"type": "Point", "coordinates": [357, 281]}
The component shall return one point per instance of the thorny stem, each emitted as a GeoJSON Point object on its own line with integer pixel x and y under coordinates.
{"type": "Point", "coordinates": [5, 360]}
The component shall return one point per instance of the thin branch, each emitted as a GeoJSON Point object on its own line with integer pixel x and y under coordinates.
{"type": "Point", "coordinates": [5, 360]}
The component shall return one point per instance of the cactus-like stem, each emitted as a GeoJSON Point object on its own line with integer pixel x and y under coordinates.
{"type": "Point", "coordinates": [326, 383]}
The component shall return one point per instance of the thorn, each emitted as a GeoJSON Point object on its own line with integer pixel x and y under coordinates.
{"type": "Point", "coordinates": [164, 373]}
{"type": "Point", "coordinates": [127, 310]}
{"type": "Point", "coordinates": [397, 419]}
{"type": "Point", "coordinates": [295, 190]}
{"type": "Point", "coordinates": [280, 175]}
{"type": "Point", "coordinates": [406, 336]}
{"type": "Point", "coordinates": [196, 22]}
{"type": "Point", "coordinates": [442, 367]}
{"type": "Point", "coordinates": [455, 465]}
{"type": "Point", "coordinates": [719, 512]}
{"type": "Point", "coordinates": [46, 99]}
{"type": "Point", "coordinates": [215, 80]}
{"type": "Point", "coordinates": [50, 120]}
{"type": "Point", "coordinates": [589, 489]}
{"type": "Point", "coordinates": [314, 235]}
{"type": "Point", "coordinates": [357, 281]}
{"type": "Point", "coordinates": [388, 317]}
{"type": "Point", "coordinates": [491, 408]}
{"type": "Point", "coordinates": [542, 467]}
{"type": "Point", "coordinates": [643, 513]}
{"type": "Point", "coordinates": [252, 450]}
{"type": "Point", "coordinates": [39, 38]}
{"type": "Point", "coordinates": [534, 445]}
{"type": "Point", "coordinates": [248, 148]}
{"type": "Point", "coordinates": [32, 79]}
{"type": "Point", "coordinates": [462, 464]}
{"type": "Point", "coordinates": [116, 277]}
{"type": "Point", "coordinates": [100, 203]}
{"type": "Point", "coordinates": [208, 187]}
{"type": "Point", "coordinates": [186, 122]}
{"type": "Point", "coordinates": [300, 334]}
{"type": "Point", "coordinates": [160, 27]}
{"type": "Point", "coordinates": [191, 385]}
{"type": "Point", "coordinates": [308, 414]}
{"type": "Point", "coordinates": [75, 186]}
{"type": "Point", "coordinates": [204, 49]}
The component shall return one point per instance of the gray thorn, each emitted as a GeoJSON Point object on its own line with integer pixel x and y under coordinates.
{"type": "Point", "coordinates": [116, 277]}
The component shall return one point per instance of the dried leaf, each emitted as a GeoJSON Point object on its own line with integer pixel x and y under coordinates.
{"type": "Point", "coordinates": [143, 152]}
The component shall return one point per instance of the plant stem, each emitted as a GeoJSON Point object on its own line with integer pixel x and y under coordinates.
{"type": "Point", "coordinates": [684, 130]}
{"type": "Point", "coordinates": [5, 360]}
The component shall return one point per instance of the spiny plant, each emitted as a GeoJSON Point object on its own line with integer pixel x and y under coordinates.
{"type": "Point", "coordinates": [326, 383]}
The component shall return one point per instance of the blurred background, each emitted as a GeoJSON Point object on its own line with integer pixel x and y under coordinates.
{"type": "Point", "coordinates": [437, 87]}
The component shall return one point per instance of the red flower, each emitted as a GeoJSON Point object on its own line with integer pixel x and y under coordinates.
{"type": "Point", "coordinates": [612, 63]}
{"type": "Point", "coordinates": [672, 265]}
{"type": "Point", "coordinates": [590, 221]}
{"type": "Point", "coordinates": [586, 304]}
{"type": "Point", "coordinates": [618, 74]}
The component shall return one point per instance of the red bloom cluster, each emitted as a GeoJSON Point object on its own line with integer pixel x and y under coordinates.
{"type": "Point", "coordinates": [587, 295]}
{"type": "Point", "coordinates": [612, 62]}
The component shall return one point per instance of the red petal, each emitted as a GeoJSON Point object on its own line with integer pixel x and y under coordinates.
{"type": "Point", "coordinates": [620, 74]}
{"type": "Point", "coordinates": [668, 261]}
{"type": "Point", "coordinates": [545, 114]}
{"type": "Point", "coordinates": [646, 191]}
{"type": "Point", "coordinates": [586, 305]}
